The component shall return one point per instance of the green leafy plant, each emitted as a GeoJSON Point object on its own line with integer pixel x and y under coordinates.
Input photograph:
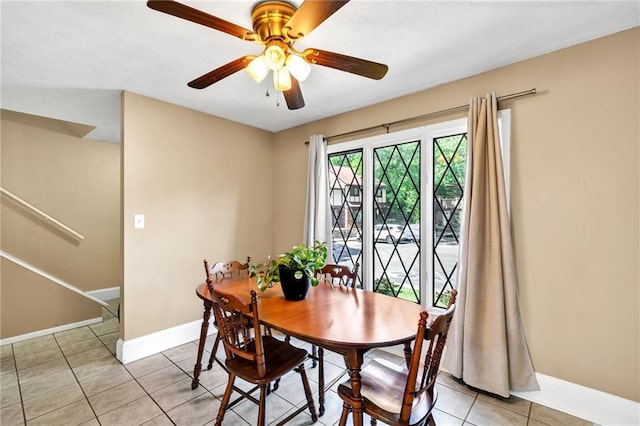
{"type": "Point", "coordinates": [301, 258]}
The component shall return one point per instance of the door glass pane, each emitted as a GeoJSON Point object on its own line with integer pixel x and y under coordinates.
{"type": "Point", "coordinates": [449, 159]}
{"type": "Point", "coordinates": [345, 183]}
{"type": "Point", "coordinates": [396, 220]}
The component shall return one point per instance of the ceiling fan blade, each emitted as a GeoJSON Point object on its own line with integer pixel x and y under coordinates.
{"type": "Point", "coordinates": [199, 17]}
{"type": "Point", "coordinates": [293, 96]}
{"type": "Point", "coordinates": [221, 72]}
{"type": "Point", "coordinates": [346, 63]}
{"type": "Point", "coordinates": [309, 15]}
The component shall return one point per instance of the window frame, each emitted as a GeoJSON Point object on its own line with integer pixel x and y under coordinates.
{"type": "Point", "coordinates": [425, 135]}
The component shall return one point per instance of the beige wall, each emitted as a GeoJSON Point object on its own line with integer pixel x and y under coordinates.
{"type": "Point", "coordinates": [77, 182]}
{"type": "Point", "coordinates": [204, 185]}
{"type": "Point", "coordinates": [574, 193]}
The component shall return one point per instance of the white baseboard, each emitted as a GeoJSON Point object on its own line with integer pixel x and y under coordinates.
{"type": "Point", "coordinates": [105, 294]}
{"type": "Point", "coordinates": [144, 346]}
{"type": "Point", "coordinates": [57, 329]}
{"type": "Point", "coordinates": [587, 403]}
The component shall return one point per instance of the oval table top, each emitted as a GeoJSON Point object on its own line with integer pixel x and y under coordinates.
{"type": "Point", "coordinates": [332, 316]}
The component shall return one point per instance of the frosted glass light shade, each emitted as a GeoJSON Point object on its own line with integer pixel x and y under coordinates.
{"type": "Point", "coordinates": [274, 56]}
{"type": "Point", "coordinates": [282, 80]}
{"type": "Point", "coordinates": [298, 67]}
{"type": "Point", "coordinates": [257, 69]}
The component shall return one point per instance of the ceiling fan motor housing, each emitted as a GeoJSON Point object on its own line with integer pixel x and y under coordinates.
{"type": "Point", "coordinates": [269, 19]}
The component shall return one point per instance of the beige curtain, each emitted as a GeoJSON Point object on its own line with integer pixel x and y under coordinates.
{"type": "Point", "coordinates": [486, 346]}
{"type": "Point", "coordinates": [317, 217]}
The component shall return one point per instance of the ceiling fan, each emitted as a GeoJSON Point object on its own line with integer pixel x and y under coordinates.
{"type": "Point", "coordinates": [277, 25]}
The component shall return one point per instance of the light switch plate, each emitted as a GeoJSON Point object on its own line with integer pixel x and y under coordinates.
{"type": "Point", "coordinates": [138, 221]}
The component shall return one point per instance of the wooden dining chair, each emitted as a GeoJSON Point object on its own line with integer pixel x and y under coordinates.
{"type": "Point", "coordinates": [257, 358]}
{"type": "Point", "coordinates": [392, 393]}
{"type": "Point", "coordinates": [218, 271]}
{"type": "Point", "coordinates": [335, 275]}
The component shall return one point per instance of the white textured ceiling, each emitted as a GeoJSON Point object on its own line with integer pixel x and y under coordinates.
{"type": "Point", "coordinates": [69, 60]}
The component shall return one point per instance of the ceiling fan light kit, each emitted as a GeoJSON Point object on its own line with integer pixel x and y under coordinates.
{"type": "Point", "coordinates": [277, 25]}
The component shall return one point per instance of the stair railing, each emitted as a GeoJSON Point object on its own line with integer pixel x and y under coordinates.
{"type": "Point", "coordinates": [40, 214]}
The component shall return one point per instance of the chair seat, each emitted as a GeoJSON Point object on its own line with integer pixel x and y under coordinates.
{"type": "Point", "coordinates": [280, 358]}
{"type": "Point", "coordinates": [383, 385]}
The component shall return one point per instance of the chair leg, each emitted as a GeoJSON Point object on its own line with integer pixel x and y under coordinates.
{"type": "Point", "coordinates": [204, 328]}
{"type": "Point", "coordinates": [346, 408]}
{"type": "Point", "coordinates": [320, 381]}
{"type": "Point", "coordinates": [262, 405]}
{"type": "Point", "coordinates": [214, 351]}
{"type": "Point", "coordinates": [307, 392]}
{"type": "Point", "coordinates": [314, 356]}
{"type": "Point", "coordinates": [225, 399]}
{"type": "Point", "coordinates": [374, 422]}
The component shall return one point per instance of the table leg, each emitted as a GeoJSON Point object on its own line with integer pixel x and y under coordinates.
{"type": "Point", "coordinates": [354, 359]}
{"type": "Point", "coordinates": [407, 353]}
{"type": "Point", "coordinates": [204, 328]}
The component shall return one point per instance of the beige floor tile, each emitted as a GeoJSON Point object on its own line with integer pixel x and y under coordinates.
{"type": "Point", "coordinates": [115, 397]}
{"type": "Point", "coordinates": [106, 327]}
{"type": "Point", "coordinates": [45, 384]}
{"type": "Point", "coordinates": [7, 365]}
{"type": "Point", "coordinates": [45, 369]}
{"type": "Point", "coordinates": [100, 383]}
{"type": "Point", "coordinates": [11, 415]}
{"type": "Point", "coordinates": [134, 413]}
{"type": "Point", "coordinates": [276, 407]}
{"type": "Point", "coordinates": [554, 417]}
{"type": "Point", "coordinates": [211, 379]}
{"type": "Point", "coordinates": [513, 403]}
{"type": "Point", "coordinates": [52, 400]}
{"type": "Point", "coordinates": [175, 394]}
{"type": "Point", "coordinates": [6, 352]}
{"type": "Point", "coordinates": [81, 346]}
{"type": "Point", "coordinates": [453, 402]}
{"type": "Point", "coordinates": [148, 365]}
{"type": "Point", "coordinates": [454, 383]}
{"type": "Point", "coordinates": [161, 420]}
{"type": "Point", "coordinates": [92, 422]}
{"type": "Point", "coordinates": [8, 379]}
{"type": "Point", "coordinates": [86, 357]}
{"type": "Point", "coordinates": [75, 335]}
{"type": "Point", "coordinates": [233, 419]}
{"type": "Point", "coordinates": [30, 359]}
{"type": "Point", "coordinates": [110, 338]}
{"type": "Point", "coordinates": [9, 395]}
{"type": "Point", "coordinates": [162, 378]}
{"type": "Point", "coordinates": [534, 422]}
{"type": "Point", "coordinates": [443, 419]}
{"type": "Point", "coordinates": [484, 414]}
{"type": "Point", "coordinates": [98, 367]}
{"type": "Point", "coordinates": [38, 344]}
{"type": "Point", "coordinates": [182, 352]}
{"type": "Point", "coordinates": [197, 411]}
{"type": "Point", "coordinates": [292, 390]}
{"type": "Point", "coordinates": [72, 414]}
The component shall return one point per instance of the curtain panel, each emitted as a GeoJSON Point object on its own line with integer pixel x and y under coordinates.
{"type": "Point", "coordinates": [317, 218]}
{"type": "Point", "coordinates": [486, 346]}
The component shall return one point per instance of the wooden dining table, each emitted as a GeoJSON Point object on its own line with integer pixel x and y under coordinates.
{"type": "Point", "coordinates": [348, 321]}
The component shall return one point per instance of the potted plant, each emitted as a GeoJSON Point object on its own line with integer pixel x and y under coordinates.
{"type": "Point", "coordinates": [295, 270]}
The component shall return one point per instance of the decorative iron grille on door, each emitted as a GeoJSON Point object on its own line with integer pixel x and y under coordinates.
{"type": "Point", "coordinates": [396, 220]}
{"type": "Point", "coordinates": [449, 159]}
{"type": "Point", "coordinates": [345, 185]}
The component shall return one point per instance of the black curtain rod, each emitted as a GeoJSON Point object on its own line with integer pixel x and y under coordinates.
{"type": "Point", "coordinates": [386, 126]}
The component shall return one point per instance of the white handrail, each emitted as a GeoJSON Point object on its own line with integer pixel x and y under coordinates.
{"type": "Point", "coordinates": [41, 214]}
{"type": "Point", "coordinates": [50, 277]}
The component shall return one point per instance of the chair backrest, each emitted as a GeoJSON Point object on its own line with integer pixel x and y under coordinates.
{"type": "Point", "coordinates": [224, 269]}
{"type": "Point", "coordinates": [231, 313]}
{"type": "Point", "coordinates": [340, 274]}
{"type": "Point", "coordinates": [436, 335]}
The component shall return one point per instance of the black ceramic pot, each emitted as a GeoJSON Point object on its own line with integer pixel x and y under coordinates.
{"type": "Point", "coordinates": [295, 284]}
